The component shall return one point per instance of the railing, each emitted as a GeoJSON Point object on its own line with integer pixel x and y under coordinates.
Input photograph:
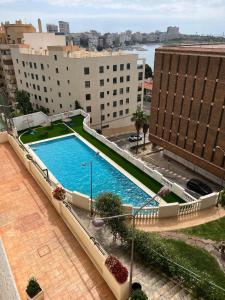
{"type": "Point", "coordinates": [187, 208]}
{"type": "Point", "coordinates": [147, 213]}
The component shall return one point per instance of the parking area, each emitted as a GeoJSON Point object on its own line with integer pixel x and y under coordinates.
{"type": "Point", "coordinates": [154, 158]}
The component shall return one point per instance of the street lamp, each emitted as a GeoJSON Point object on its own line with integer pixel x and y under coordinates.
{"type": "Point", "coordinates": [99, 222]}
{"type": "Point", "coordinates": [90, 163]}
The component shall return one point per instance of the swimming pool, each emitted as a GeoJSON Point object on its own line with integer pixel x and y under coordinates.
{"type": "Point", "coordinates": [66, 157]}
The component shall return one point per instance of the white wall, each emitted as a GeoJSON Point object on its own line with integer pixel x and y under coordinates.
{"type": "Point", "coordinates": [42, 40]}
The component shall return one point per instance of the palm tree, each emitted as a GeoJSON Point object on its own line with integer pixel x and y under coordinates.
{"type": "Point", "coordinates": [138, 117]}
{"type": "Point", "coordinates": [145, 130]}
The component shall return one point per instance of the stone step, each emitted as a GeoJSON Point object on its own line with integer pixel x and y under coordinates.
{"type": "Point", "coordinates": [182, 295]}
{"type": "Point", "coordinates": [170, 292]}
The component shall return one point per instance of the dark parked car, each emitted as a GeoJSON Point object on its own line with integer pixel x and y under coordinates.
{"type": "Point", "coordinates": [199, 187]}
{"type": "Point", "coordinates": [134, 138]}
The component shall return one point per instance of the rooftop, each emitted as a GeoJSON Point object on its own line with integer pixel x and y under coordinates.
{"type": "Point", "coordinates": [37, 241]}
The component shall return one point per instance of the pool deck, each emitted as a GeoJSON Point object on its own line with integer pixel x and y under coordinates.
{"type": "Point", "coordinates": [37, 241]}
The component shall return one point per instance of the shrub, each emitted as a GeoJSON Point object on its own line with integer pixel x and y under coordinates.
{"type": "Point", "coordinates": [59, 193]}
{"type": "Point", "coordinates": [116, 268]}
{"type": "Point", "coordinates": [33, 287]}
{"type": "Point", "coordinates": [138, 295]}
{"type": "Point", "coordinates": [222, 198]}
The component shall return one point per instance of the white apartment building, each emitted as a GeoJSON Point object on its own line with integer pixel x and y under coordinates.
{"type": "Point", "coordinates": [108, 85]}
{"type": "Point", "coordinates": [52, 28]}
{"type": "Point", "coordinates": [64, 27]}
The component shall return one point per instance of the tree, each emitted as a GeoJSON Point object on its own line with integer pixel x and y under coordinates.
{"type": "Point", "coordinates": [138, 117]}
{"type": "Point", "coordinates": [109, 204]}
{"type": "Point", "coordinates": [145, 130]}
{"type": "Point", "coordinates": [148, 71]}
{"type": "Point", "coordinates": [23, 102]}
{"type": "Point", "coordinates": [222, 198]}
{"type": "Point", "coordinates": [138, 295]}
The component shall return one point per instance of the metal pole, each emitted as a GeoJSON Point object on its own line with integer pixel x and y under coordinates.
{"type": "Point", "coordinates": [132, 255]}
{"type": "Point", "coordinates": [91, 189]}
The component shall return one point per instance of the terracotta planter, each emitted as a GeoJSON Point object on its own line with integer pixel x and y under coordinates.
{"type": "Point", "coordinates": [39, 296]}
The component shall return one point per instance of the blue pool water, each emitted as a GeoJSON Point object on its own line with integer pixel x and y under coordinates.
{"type": "Point", "coordinates": [65, 157]}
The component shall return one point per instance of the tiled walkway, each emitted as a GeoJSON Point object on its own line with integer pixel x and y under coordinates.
{"type": "Point", "coordinates": [38, 242]}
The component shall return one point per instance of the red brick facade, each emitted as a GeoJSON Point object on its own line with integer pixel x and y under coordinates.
{"type": "Point", "coordinates": [188, 105]}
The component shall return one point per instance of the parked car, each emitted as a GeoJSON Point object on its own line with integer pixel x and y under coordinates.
{"type": "Point", "coordinates": [199, 187]}
{"type": "Point", "coordinates": [134, 138]}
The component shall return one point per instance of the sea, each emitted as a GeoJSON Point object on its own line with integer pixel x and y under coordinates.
{"type": "Point", "coordinates": [149, 54]}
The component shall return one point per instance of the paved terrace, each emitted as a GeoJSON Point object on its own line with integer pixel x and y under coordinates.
{"type": "Point", "coordinates": [37, 241]}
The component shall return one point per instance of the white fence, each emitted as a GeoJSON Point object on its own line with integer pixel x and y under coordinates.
{"type": "Point", "coordinates": [162, 211]}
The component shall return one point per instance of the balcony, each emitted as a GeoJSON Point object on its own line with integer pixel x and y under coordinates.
{"type": "Point", "coordinates": [139, 67]}
{"type": "Point", "coordinates": [10, 76]}
{"type": "Point", "coordinates": [8, 67]}
{"type": "Point", "coordinates": [6, 57]}
{"type": "Point", "coordinates": [11, 86]}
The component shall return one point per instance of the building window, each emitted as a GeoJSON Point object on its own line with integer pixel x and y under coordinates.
{"type": "Point", "coordinates": [30, 63]}
{"type": "Point", "coordinates": [121, 67]}
{"type": "Point", "coordinates": [121, 91]}
{"type": "Point", "coordinates": [140, 75]}
{"type": "Point", "coordinates": [43, 77]}
{"type": "Point", "coordinates": [114, 92]}
{"type": "Point", "coordinates": [35, 65]}
{"type": "Point", "coordinates": [56, 70]}
{"type": "Point", "coordinates": [127, 89]}
{"type": "Point", "coordinates": [121, 79]}
{"type": "Point", "coordinates": [58, 82]}
{"type": "Point", "coordinates": [88, 109]}
{"type": "Point", "coordinates": [128, 66]}
{"type": "Point", "coordinates": [101, 69]}
{"type": "Point", "coordinates": [45, 89]}
{"type": "Point", "coordinates": [36, 77]}
{"type": "Point", "coordinates": [17, 60]}
{"type": "Point", "coordinates": [127, 111]}
{"type": "Point", "coordinates": [68, 81]}
{"type": "Point", "coordinates": [38, 87]}
{"type": "Point", "coordinates": [102, 95]}
{"type": "Point", "coordinates": [107, 79]}
{"type": "Point", "coordinates": [138, 97]}
{"type": "Point", "coordinates": [107, 92]}
{"type": "Point", "coordinates": [52, 101]}
{"type": "Point", "coordinates": [86, 71]}
{"type": "Point", "coordinates": [107, 67]}
{"type": "Point", "coordinates": [102, 117]}
{"type": "Point", "coordinates": [88, 96]}
{"type": "Point", "coordinates": [23, 63]}
{"type": "Point", "coordinates": [114, 80]}
{"type": "Point", "coordinates": [128, 77]}
{"type": "Point", "coordinates": [114, 103]}
{"type": "Point", "coordinates": [47, 65]}
{"type": "Point", "coordinates": [42, 66]}
{"type": "Point", "coordinates": [46, 100]}
{"type": "Point", "coordinates": [101, 82]}
{"type": "Point", "coordinates": [32, 75]}
{"type": "Point", "coordinates": [35, 96]}
{"type": "Point", "coordinates": [102, 106]}
{"type": "Point", "coordinates": [19, 71]}
{"type": "Point", "coordinates": [114, 68]}
{"type": "Point", "coordinates": [27, 85]}
{"type": "Point", "coordinates": [87, 84]}
{"type": "Point", "coordinates": [25, 74]}
{"type": "Point", "coordinates": [115, 114]}
{"type": "Point", "coordinates": [127, 100]}
{"type": "Point", "coordinates": [121, 112]}
{"type": "Point", "coordinates": [34, 87]}
{"type": "Point", "coordinates": [60, 105]}
{"type": "Point", "coordinates": [67, 68]}
{"type": "Point", "coordinates": [59, 94]}
{"type": "Point", "coordinates": [121, 102]}
{"type": "Point", "coordinates": [55, 57]}
{"type": "Point", "coordinates": [39, 98]}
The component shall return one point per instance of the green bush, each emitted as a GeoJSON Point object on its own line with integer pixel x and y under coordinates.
{"type": "Point", "coordinates": [138, 295]}
{"type": "Point", "coordinates": [222, 198]}
{"type": "Point", "coordinates": [33, 287]}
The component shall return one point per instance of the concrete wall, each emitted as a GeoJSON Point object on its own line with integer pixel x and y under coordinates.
{"type": "Point", "coordinates": [30, 120]}
{"type": "Point", "coordinates": [42, 40]}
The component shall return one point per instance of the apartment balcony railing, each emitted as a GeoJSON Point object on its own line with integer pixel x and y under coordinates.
{"type": "Point", "coordinates": [8, 67]}
{"type": "Point", "coordinates": [6, 56]}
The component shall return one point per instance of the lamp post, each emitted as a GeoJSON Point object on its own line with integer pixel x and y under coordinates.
{"type": "Point", "coordinates": [100, 222]}
{"type": "Point", "coordinates": [90, 163]}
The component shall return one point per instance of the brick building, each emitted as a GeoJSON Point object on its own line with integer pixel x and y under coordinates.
{"type": "Point", "coordinates": [188, 106]}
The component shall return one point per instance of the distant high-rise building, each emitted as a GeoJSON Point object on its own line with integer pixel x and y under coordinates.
{"type": "Point", "coordinates": [64, 27]}
{"type": "Point", "coordinates": [52, 28]}
{"type": "Point", "coordinates": [173, 32]}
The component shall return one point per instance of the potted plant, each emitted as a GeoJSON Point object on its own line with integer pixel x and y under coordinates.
{"type": "Point", "coordinates": [138, 295]}
{"type": "Point", "coordinates": [116, 268]}
{"type": "Point", "coordinates": [59, 193]}
{"type": "Point", "coordinates": [33, 290]}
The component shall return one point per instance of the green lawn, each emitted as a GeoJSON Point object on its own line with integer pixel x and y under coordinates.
{"type": "Point", "coordinates": [194, 259]}
{"type": "Point", "coordinates": [41, 133]}
{"type": "Point", "coordinates": [214, 230]}
{"type": "Point", "coordinates": [130, 168]}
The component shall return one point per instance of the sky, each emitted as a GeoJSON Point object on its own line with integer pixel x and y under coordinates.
{"type": "Point", "coordinates": [201, 16]}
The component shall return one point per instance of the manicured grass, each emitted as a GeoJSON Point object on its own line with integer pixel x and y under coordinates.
{"type": "Point", "coordinates": [41, 133]}
{"type": "Point", "coordinates": [214, 230]}
{"type": "Point", "coordinates": [126, 165]}
{"type": "Point", "coordinates": [77, 125]}
{"type": "Point", "coordinates": [196, 259]}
